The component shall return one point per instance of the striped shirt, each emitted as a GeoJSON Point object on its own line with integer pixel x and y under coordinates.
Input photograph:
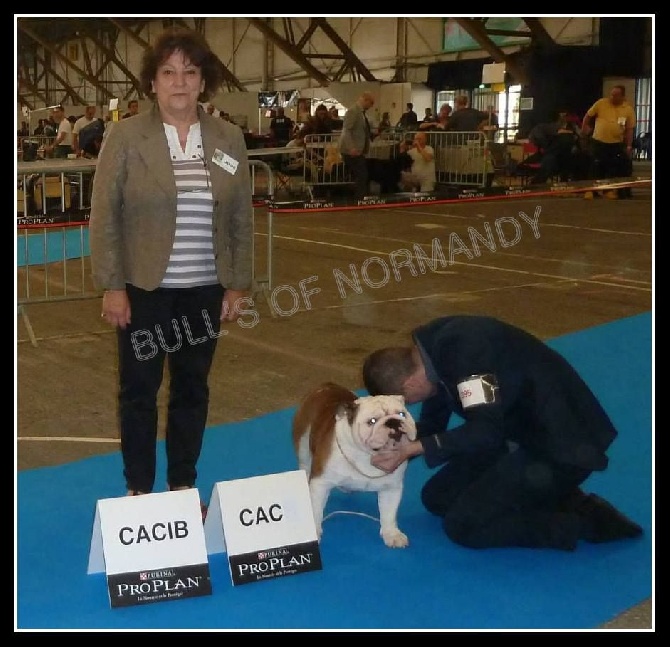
{"type": "Point", "coordinates": [192, 258]}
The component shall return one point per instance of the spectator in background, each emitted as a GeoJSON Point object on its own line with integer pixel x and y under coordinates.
{"type": "Point", "coordinates": [464, 118]}
{"type": "Point", "coordinates": [87, 118]}
{"type": "Point", "coordinates": [385, 123]}
{"type": "Point", "coordinates": [62, 145]}
{"type": "Point", "coordinates": [39, 129]}
{"type": "Point", "coordinates": [642, 146]}
{"type": "Point", "coordinates": [355, 143]}
{"type": "Point", "coordinates": [421, 175]}
{"type": "Point", "coordinates": [612, 121]}
{"type": "Point", "coordinates": [557, 142]}
{"type": "Point", "coordinates": [408, 119]}
{"type": "Point", "coordinates": [281, 128]}
{"type": "Point", "coordinates": [50, 127]}
{"type": "Point", "coordinates": [90, 139]}
{"type": "Point", "coordinates": [335, 119]}
{"type": "Point", "coordinates": [428, 117]}
{"type": "Point", "coordinates": [133, 108]}
{"type": "Point", "coordinates": [441, 121]}
{"type": "Point", "coordinates": [319, 123]}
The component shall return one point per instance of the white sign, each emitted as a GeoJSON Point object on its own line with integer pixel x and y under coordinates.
{"type": "Point", "coordinates": [266, 525]}
{"type": "Point", "coordinates": [493, 73]}
{"type": "Point", "coordinates": [152, 547]}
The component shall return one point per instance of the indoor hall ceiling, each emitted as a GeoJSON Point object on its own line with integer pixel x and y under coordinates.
{"type": "Point", "coordinates": [40, 38]}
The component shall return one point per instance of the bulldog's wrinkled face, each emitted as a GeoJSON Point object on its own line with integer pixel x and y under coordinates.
{"type": "Point", "coordinates": [381, 421]}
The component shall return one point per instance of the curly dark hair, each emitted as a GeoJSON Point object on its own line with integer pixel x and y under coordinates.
{"type": "Point", "coordinates": [195, 49]}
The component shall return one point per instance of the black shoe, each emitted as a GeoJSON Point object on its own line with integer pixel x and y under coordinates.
{"type": "Point", "coordinates": [601, 521]}
{"type": "Point", "coordinates": [572, 501]}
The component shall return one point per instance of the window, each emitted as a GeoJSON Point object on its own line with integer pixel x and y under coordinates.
{"type": "Point", "coordinates": [508, 113]}
{"type": "Point", "coordinates": [506, 104]}
{"type": "Point", "coordinates": [643, 116]}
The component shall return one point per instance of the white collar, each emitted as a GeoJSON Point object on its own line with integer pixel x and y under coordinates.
{"type": "Point", "coordinates": [193, 142]}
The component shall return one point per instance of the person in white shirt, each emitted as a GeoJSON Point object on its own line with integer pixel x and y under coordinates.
{"type": "Point", "coordinates": [421, 175]}
{"type": "Point", "coordinates": [62, 145]}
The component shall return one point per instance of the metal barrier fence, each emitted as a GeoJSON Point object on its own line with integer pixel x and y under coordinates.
{"type": "Point", "coordinates": [461, 158]}
{"type": "Point", "coordinates": [53, 256]}
{"type": "Point", "coordinates": [322, 162]}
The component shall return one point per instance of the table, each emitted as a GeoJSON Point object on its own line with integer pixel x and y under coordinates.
{"type": "Point", "coordinates": [269, 152]}
{"type": "Point", "coordinates": [56, 166]}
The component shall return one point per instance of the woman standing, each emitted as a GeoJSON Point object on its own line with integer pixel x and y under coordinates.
{"type": "Point", "coordinates": [171, 246]}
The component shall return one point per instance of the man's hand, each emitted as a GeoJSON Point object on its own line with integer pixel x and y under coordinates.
{"type": "Point", "coordinates": [389, 460]}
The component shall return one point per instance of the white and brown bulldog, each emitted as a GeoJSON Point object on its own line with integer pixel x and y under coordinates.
{"type": "Point", "coordinates": [335, 433]}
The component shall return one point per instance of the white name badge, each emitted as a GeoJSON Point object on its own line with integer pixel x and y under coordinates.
{"type": "Point", "coordinates": [152, 547]}
{"type": "Point", "coordinates": [477, 390]}
{"type": "Point", "coordinates": [225, 161]}
{"type": "Point", "coordinates": [265, 524]}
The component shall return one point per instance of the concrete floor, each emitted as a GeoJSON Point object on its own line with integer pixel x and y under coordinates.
{"type": "Point", "coordinates": [586, 263]}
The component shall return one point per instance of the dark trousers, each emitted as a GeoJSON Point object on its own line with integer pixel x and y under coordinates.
{"type": "Point", "coordinates": [505, 499]}
{"type": "Point", "coordinates": [555, 161]}
{"type": "Point", "coordinates": [62, 151]}
{"type": "Point", "coordinates": [610, 161]}
{"type": "Point", "coordinates": [183, 325]}
{"type": "Point", "coordinates": [357, 166]}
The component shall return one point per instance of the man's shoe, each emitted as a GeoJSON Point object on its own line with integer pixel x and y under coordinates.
{"type": "Point", "coordinates": [573, 501]}
{"type": "Point", "coordinates": [602, 522]}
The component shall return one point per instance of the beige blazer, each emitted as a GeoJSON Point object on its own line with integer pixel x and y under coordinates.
{"type": "Point", "coordinates": [134, 204]}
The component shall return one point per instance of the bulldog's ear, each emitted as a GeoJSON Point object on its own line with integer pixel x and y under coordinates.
{"type": "Point", "coordinates": [346, 410]}
{"type": "Point", "coordinates": [341, 412]}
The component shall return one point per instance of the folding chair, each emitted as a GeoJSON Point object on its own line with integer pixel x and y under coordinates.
{"type": "Point", "coordinates": [529, 165]}
{"type": "Point", "coordinates": [287, 168]}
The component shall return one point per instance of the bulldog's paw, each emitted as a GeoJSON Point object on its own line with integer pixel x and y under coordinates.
{"type": "Point", "coordinates": [395, 538]}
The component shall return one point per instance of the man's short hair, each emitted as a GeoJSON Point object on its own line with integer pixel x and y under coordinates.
{"type": "Point", "coordinates": [386, 370]}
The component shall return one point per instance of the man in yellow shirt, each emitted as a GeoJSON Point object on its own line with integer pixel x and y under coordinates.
{"type": "Point", "coordinates": [612, 141]}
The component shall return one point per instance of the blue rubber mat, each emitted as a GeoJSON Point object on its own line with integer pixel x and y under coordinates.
{"type": "Point", "coordinates": [42, 245]}
{"type": "Point", "coordinates": [432, 584]}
